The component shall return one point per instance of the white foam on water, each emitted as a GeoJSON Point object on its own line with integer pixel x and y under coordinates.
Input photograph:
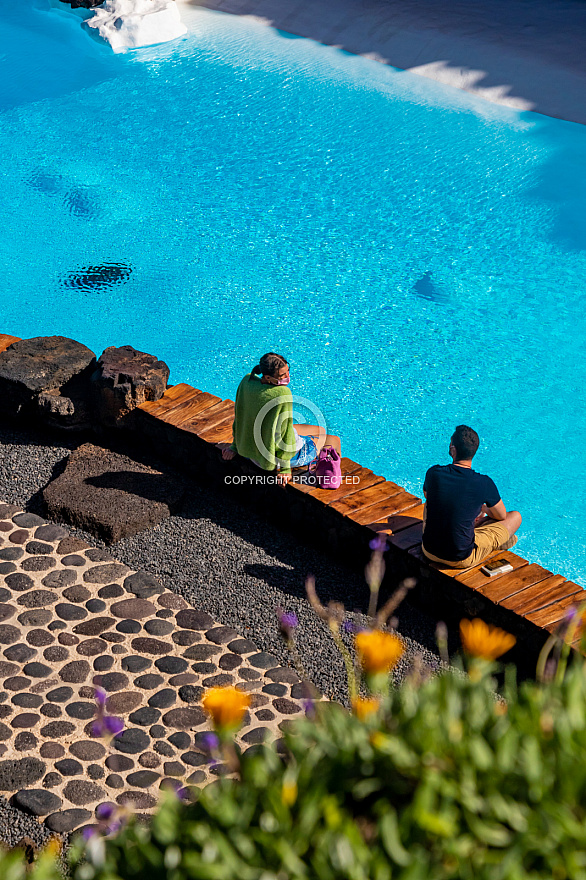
{"type": "Point", "coordinates": [130, 24]}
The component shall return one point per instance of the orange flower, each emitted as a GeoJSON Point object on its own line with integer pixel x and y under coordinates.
{"type": "Point", "coordinates": [363, 707]}
{"type": "Point", "coordinates": [482, 640]}
{"type": "Point", "coordinates": [378, 651]}
{"type": "Point", "coordinates": [226, 706]}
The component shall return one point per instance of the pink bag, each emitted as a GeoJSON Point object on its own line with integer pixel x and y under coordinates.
{"type": "Point", "coordinates": [328, 469]}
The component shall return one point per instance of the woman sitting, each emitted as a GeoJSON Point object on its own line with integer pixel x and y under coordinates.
{"type": "Point", "coordinates": [263, 429]}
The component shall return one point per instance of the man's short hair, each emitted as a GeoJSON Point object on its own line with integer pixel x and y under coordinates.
{"type": "Point", "coordinates": [465, 440]}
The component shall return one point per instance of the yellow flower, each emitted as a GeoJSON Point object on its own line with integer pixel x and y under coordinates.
{"type": "Point", "coordinates": [378, 651]}
{"type": "Point", "coordinates": [378, 739]}
{"type": "Point", "coordinates": [226, 705]}
{"type": "Point", "coordinates": [53, 847]}
{"type": "Point", "coordinates": [482, 640]}
{"type": "Point", "coordinates": [363, 707]}
{"type": "Point", "coordinates": [289, 793]}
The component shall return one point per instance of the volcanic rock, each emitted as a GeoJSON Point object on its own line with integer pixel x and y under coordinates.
{"type": "Point", "coordinates": [47, 376]}
{"type": "Point", "coordinates": [124, 378]}
{"type": "Point", "coordinates": [110, 495]}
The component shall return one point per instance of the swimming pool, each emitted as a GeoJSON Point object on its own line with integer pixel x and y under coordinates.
{"type": "Point", "coordinates": [418, 254]}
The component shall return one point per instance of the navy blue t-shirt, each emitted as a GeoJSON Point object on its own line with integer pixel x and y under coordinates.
{"type": "Point", "coordinates": [455, 495]}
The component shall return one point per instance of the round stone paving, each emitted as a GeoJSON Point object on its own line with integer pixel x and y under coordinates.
{"type": "Point", "coordinates": [72, 619]}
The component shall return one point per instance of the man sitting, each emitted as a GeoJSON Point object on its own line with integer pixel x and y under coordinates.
{"type": "Point", "coordinates": [465, 519]}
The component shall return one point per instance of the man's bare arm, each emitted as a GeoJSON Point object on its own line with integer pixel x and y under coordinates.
{"type": "Point", "coordinates": [498, 512]}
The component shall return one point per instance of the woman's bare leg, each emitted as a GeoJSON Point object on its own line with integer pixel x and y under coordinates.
{"type": "Point", "coordinates": [321, 438]}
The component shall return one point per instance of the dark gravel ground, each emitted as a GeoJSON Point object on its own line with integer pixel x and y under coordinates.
{"type": "Point", "coordinates": [224, 559]}
{"type": "Point", "coordinates": [14, 825]}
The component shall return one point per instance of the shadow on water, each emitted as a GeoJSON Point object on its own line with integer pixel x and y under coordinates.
{"type": "Point", "coordinates": [425, 288]}
{"type": "Point", "coordinates": [548, 33]}
{"type": "Point", "coordinates": [562, 180]}
{"type": "Point", "coordinates": [45, 54]}
{"type": "Point", "coordinates": [80, 201]}
{"type": "Point", "coordinates": [45, 182]}
{"type": "Point", "coordinates": [287, 36]}
{"type": "Point", "coordinates": [97, 278]}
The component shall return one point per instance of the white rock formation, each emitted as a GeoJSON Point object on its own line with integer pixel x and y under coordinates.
{"type": "Point", "coordinates": [128, 24]}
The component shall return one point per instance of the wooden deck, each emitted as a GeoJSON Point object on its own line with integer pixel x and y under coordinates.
{"type": "Point", "coordinates": [5, 341]}
{"type": "Point", "coordinates": [371, 504]}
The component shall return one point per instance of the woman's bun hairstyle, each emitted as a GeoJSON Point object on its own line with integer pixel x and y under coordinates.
{"type": "Point", "coordinates": [269, 364]}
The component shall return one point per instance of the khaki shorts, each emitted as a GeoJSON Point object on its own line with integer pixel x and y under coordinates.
{"type": "Point", "coordinates": [486, 539]}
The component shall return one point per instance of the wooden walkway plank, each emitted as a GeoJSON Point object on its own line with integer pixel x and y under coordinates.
{"type": "Point", "coordinates": [211, 432]}
{"type": "Point", "coordinates": [550, 616]}
{"type": "Point", "coordinates": [171, 398]}
{"type": "Point", "coordinates": [475, 579]}
{"type": "Point", "coordinates": [6, 340]}
{"type": "Point", "coordinates": [189, 409]}
{"type": "Point", "coordinates": [392, 525]}
{"type": "Point", "coordinates": [208, 418]}
{"type": "Point", "coordinates": [365, 477]}
{"type": "Point", "coordinates": [366, 497]}
{"type": "Point", "coordinates": [221, 433]}
{"type": "Point", "coordinates": [407, 538]}
{"type": "Point", "coordinates": [348, 467]}
{"type": "Point", "coordinates": [395, 504]}
{"type": "Point", "coordinates": [551, 590]}
{"type": "Point", "coordinates": [498, 589]}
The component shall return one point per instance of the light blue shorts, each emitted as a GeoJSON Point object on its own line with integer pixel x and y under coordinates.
{"type": "Point", "coordinates": [306, 454]}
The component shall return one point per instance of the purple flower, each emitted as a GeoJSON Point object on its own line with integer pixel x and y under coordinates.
{"type": "Point", "coordinates": [89, 831]}
{"type": "Point", "coordinates": [113, 724]}
{"type": "Point", "coordinates": [378, 544]}
{"type": "Point", "coordinates": [349, 626]}
{"type": "Point", "coordinates": [107, 725]}
{"type": "Point", "coordinates": [171, 785]}
{"type": "Point", "coordinates": [210, 742]}
{"type": "Point", "coordinates": [550, 669]}
{"type": "Point", "coordinates": [288, 621]}
{"type": "Point", "coordinates": [309, 707]}
{"type": "Point", "coordinates": [105, 812]}
{"type": "Point", "coordinates": [115, 826]}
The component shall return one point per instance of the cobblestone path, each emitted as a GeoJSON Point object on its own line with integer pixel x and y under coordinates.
{"type": "Point", "coordinates": [73, 618]}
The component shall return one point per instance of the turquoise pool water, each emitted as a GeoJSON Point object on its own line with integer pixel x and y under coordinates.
{"type": "Point", "coordinates": [418, 254]}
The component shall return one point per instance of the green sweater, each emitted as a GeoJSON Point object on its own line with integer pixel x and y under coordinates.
{"type": "Point", "coordinates": [263, 424]}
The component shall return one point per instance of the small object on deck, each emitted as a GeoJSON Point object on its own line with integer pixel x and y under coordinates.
{"type": "Point", "coordinates": [497, 566]}
{"type": "Point", "coordinates": [328, 470]}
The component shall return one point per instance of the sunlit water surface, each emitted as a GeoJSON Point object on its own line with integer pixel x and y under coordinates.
{"type": "Point", "coordinates": [418, 254]}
